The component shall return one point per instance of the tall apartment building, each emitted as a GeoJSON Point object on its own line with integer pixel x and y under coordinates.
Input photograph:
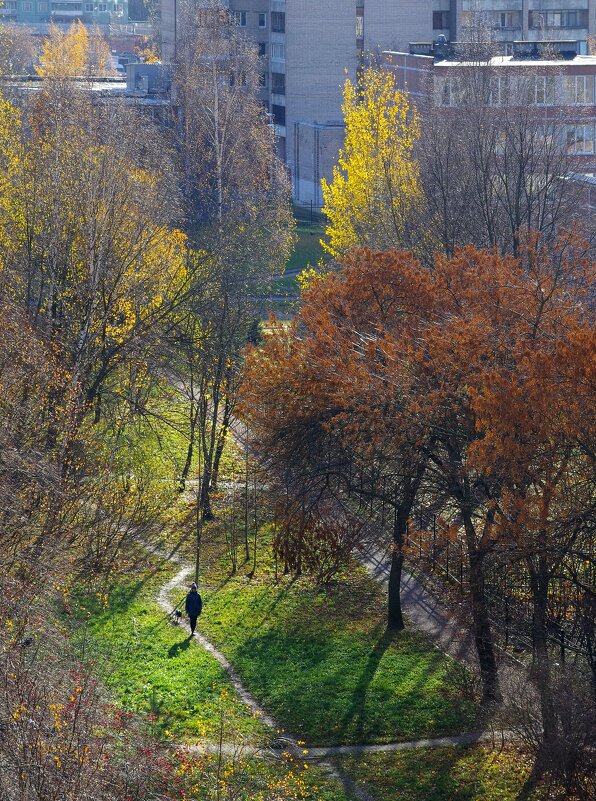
{"type": "Point", "coordinates": [91, 12]}
{"type": "Point", "coordinates": [310, 47]}
{"type": "Point", "coordinates": [512, 20]}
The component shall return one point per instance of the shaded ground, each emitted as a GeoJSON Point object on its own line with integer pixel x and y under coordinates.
{"type": "Point", "coordinates": [473, 773]}
{"type": "Point", "coordinates": [322, 663]}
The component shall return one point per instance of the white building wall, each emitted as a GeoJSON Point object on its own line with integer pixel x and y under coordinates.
{"type": "Point", "coordinates": [393, 24]}
{"type": "Point", "coordinates": [320, 54]}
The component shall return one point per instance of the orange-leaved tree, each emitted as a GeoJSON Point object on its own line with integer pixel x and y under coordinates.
{"type": "Point", "coordinates": [382, 375]}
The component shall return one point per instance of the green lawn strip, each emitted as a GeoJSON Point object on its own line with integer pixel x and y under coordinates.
{"type": "Point", "coordinates": [152, 667]}
{"type": "Point", "coordinates": [322, 662]}
{"type": "Point", "coordinates": [308, 248]}
{"type": "Point", "coordinates": [474, 773]}
{"type": "Point", "coordinates": [285, 285]}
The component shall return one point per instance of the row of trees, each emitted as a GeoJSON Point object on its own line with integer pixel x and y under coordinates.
{"type": "Point", "coordinates": [466, 389]}
{"type": "Point", "coordinates": [130, 259]}
{"type": "Point", "coordinates": [446, 369]}
{"type": "Point", "coordinates": [76, 52]}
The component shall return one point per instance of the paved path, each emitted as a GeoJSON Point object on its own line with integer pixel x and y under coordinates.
{"type": "Point", "coordinates": [422, 609]}
{"type": "Point", "coordinates": [290, 744]}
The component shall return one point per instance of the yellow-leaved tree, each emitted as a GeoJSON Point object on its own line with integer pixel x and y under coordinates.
{"type": "Point", "coordinates": [375, 188]}
{"type": "Point", "coordinates": [74, 53]}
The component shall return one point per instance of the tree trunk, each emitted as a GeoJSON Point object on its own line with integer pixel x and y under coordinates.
{"type": "Point", "coordinates": [395, 620]}
{"type": "Point", "coordinates": [194, 418]}
{"type": "Point", "coordinates": [483, 637]}
{"type": "Point", "coordinates": [221, 442]}
{"type": "Point", "coordinates": [540, 673]}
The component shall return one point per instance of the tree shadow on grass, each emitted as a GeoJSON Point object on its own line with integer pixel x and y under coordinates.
{"type": "Point", "coordinates": [356, 712]}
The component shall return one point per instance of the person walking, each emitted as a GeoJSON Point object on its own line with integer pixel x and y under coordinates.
{"type": "Point", "coordinates": [194, 607]}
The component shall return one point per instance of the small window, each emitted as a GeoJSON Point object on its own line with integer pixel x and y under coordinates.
{"type": "Point", "coordinates": [262, 20]}
{"type": "Point", "coordinates": [42, 8]}
{"type": "Point", "coordinates": [278, 22]}
{"type": "Point", "coordinates": [239, 18]}
{"type": "Point", "coordinates": [89, 8]}
{"type": "Point", "coordinates": [579, 90]}
{"type": "Point", "coordinates": [262, 49]}
{"type": "Point", "coordinates": [278, 51]}
{"type": "Point", "coordinates": [27, 7]}
{"type": "Point", "coordinates": [580, 140]}
{"type": "Point", "coordinates": [440, 20]}
{"type": "Point", "coordinates": [279, 114]}
{"type": "Point", "coordinates": [278, 83]}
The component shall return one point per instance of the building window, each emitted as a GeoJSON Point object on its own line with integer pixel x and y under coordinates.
{"type": "Point", "coordinates": [449, 92]}
{"type": "Point", "coordinates": [577, 18]}
{"type": "Point", "coordinates": [441, 20]}
{"type": "Point", "coordinates": [580, 140]}
{"type": "Point", "coordinates": [239, 18]}
{"type": "Point", "coordinates": [278, 51]}
{"type": "Point", "coordinates": [278, 83]}
{"type": "Point", "coordinates": [278, 22]}
{"type": "Point", "coordinates": [279, 114]}
{"type": "Point", "coordinates": [117, 9]}
{"type": "Point", "coordinates": [27, 7]}
{"type": "Point", "coordinates": [263, 80]}
{"type": "Point", "coordinates": [42, 8]}
{"type": "Point", "coordinates": [89, 8]}
{"type": "Point", "coordinates": [359, 26]}
{"type": "Point", "coordinates": [262, 49]}
{"type": "Point", "coordinates": [507, 19]}
{"type": "Point", "coordinates": [579, 90]}
{"type": "Point", "coordinates": [498, 92]}
{"type": "Point", "coordinates": [262, 20]}
{"type": "Point", "coordinates": [541, 90]}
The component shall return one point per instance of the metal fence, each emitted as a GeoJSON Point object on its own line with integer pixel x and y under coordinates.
{"type": "Point", "coordinates": [438, 549]}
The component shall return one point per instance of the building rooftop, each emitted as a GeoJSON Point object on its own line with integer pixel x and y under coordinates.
{"type": "Point", "coordinates": [549, 53]}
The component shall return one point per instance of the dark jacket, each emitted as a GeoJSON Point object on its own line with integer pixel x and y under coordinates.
{"type": "Point", "coordinates": [194, 604]}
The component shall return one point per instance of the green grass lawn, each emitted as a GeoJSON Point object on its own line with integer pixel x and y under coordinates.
{"type": "Point", "coordinates": [446, 774]}
{"type": "Point", "coordinates": [152, 667]}
{"type": "Point", "coordinates": [308, 248]}
{"type": "Point", "coordinates": [321, 661]}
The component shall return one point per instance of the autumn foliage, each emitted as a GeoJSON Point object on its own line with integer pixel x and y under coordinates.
{"type": "Point", "coordinates": [466, 388]}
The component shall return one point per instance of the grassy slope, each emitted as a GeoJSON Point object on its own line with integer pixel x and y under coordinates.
{"type": "Point", "coordinates": [308, 248]}
{"type": "Point", "coordinates": [151, 666]}
{"type": "Point", "coordinates": [322, 662]}
{"type": "Point", "coordinates": [446, 774]}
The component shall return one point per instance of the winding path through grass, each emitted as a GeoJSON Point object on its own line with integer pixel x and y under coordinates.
{"type": "Point", "coordinates": [288, 743]}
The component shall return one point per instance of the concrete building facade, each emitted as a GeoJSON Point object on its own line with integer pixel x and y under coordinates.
{"type": "Point", "coordinates": [310, 47]}
{"type": "Point", "coordinates": [512, 20]}
{"type": "Point", "coordinates": [91, 12]}
{"type": "Point", "coordinates": [561, 92]}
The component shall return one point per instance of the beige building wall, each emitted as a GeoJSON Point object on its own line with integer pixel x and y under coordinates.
{"type": "Point", "coordinates": [167, 27]}
{"type": "Point", "coordinates": [393, 24]}
{"type": "Point", "coordinates": [510, 20]}
{"type": "Point", "coordinates": [321, 52]}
